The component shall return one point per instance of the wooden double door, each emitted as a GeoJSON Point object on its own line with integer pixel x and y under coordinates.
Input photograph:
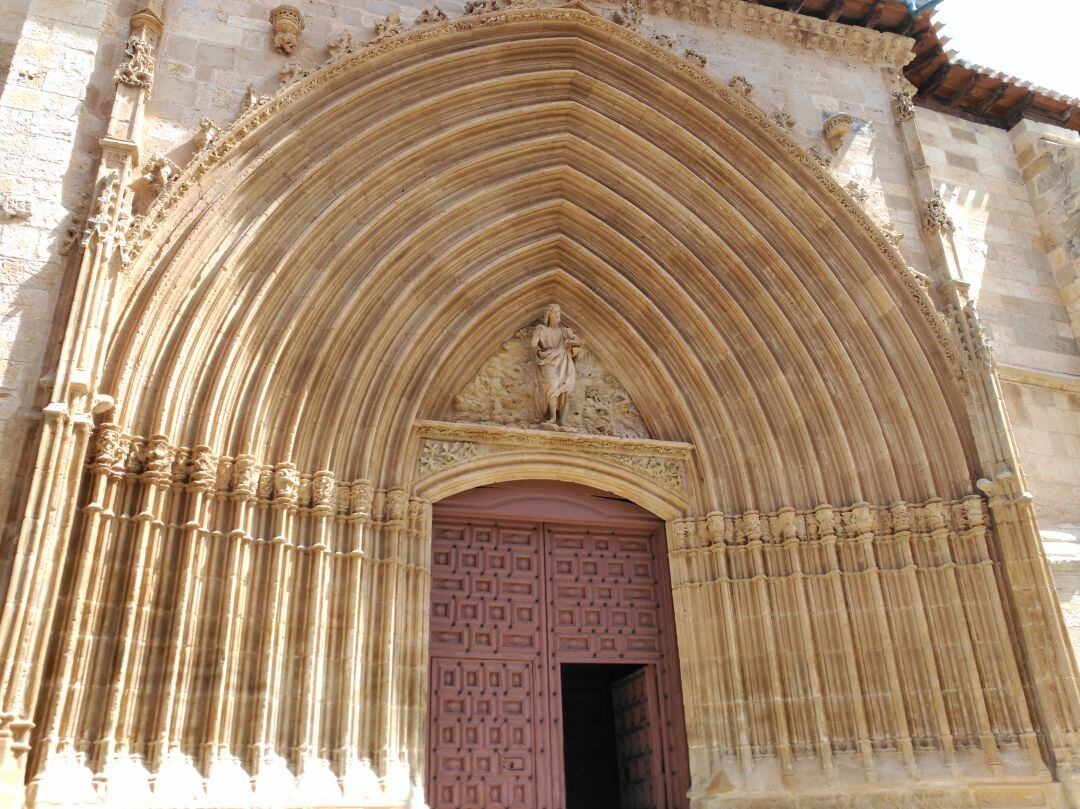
{"type": "Point", "coordinates": [553, 669]}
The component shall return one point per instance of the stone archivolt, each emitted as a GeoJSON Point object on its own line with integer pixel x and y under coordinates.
{"type": "Point", "coordinates": [334, 267]}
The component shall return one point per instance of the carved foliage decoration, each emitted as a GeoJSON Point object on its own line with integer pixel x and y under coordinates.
{"type": "Point", "coordinates": [903, 108]}
{"type": "Point", "coordinates": [936, 217]}
{"type": "Point", "coordinates": [628, 15]}
{"type": "Point", "coordinates": [436, 455]}
{"type": "Point", "coordinates": [389, 26]}
{"type": "Point", "coordinates": [159, 172]}
{"type": "Point", "coordinates": [431, 15]}
{"type": "Point", "coordinates": [740, 85]}
{"type": "Point", "coordinates": [502, 393]}
{"type": "Point", "coordinates": [137, 69]}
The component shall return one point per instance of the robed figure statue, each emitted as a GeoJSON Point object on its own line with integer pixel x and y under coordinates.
{"type": "Point", "coordinates": [555, 347]}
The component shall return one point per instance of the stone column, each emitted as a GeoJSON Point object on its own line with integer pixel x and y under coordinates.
{"type": "Point", "coordinates": [44, 535]}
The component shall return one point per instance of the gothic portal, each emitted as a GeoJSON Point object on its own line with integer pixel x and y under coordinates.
{"type": "Point", "coordinates": [812, 577]}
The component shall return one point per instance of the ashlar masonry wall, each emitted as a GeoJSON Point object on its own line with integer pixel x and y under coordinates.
{"type": "Point", "coordinates": [58, 59]}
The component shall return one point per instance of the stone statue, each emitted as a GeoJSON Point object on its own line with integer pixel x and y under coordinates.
{"type": "Point", "coordinates": [555, 347]}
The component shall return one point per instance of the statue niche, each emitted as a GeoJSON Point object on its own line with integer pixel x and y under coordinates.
{"type": "Point", "coordinates": [544, 377]}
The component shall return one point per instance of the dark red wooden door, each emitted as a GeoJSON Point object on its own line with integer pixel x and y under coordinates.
{"type": "Point", "coordinates": [527, 578]}
{"type": "Point", "coordinates": [637, 722]}
{"type": "Point", "coordinates": [488, 694]}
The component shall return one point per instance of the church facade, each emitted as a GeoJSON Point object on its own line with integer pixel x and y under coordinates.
{"type": "Point", "coordinates": [536, 405]}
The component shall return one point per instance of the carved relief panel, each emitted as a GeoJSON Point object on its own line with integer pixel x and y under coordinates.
{"type": "Point", "coordinates": [504, 393]}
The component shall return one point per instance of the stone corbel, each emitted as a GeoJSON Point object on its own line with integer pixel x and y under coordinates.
{"type": "Point", "coordinates": [288, 24]}
{"type": "Point", "coordinates": [835, 129]}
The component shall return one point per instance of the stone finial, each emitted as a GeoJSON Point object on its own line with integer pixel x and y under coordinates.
{"type": "Point", "coordinates": [903, 108]}
{"type": "Point", "coordinates": [857, 192]}
{"type": "Point", "coordinates": [288, 22]}
{"type": "Point", "coordinates": [892, 235]}
{"type": "Point", "coordinates": [252, 99]}
{"type": "Point", "coordinates": [292, 72]}
{"type": "Point", "coordinates": [835, 128]}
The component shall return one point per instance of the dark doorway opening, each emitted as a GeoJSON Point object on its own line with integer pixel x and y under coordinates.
{"type": "Point", "coordinates": [607, 739]}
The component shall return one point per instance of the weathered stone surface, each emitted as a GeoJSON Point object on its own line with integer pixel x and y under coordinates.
{"type": "Point", "coordinates": [280, 298]}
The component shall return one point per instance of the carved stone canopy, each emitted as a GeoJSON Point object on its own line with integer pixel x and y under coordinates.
{"type": "Point", "coordinates": [503, 393]}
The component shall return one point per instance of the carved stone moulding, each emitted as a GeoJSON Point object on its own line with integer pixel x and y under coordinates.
{"type": "Point", "coordinates": [448, 444]}
{"type": "Point", "coordinates": [288, 22]}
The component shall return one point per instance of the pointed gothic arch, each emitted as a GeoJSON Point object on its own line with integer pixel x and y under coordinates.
{"type": "Point", "coordinates": [339, 262]}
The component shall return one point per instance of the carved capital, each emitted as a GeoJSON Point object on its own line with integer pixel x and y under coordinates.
{"type": "Point", "coordinates": [286, 484]}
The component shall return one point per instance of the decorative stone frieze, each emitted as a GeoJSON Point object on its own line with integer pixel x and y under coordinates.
{"type": "Point", "coordinates": [437, 455]}
{"type": "Point", "coordinates": [664, 471]}
{"type": "Point", "coordinates": [936, 217]}
{"type": "Point", "coordinates": [446, 445]}
{"type": "Point", "coordinates": [799, 30]}
{"type": "Point", "coordinates": [288, 24]}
